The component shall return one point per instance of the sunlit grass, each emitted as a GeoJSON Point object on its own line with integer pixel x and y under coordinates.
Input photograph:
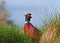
{"type": "Point", "coordinates": [12, 34]}
{"type": "Point", "coordinates": [52, 28]}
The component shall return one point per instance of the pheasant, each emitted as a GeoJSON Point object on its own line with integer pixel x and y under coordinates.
{"type": "Point", "coordinates": [30, 30]}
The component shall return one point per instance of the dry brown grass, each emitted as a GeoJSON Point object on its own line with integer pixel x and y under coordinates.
{"type": "Point", "coordinates": [52, 28]}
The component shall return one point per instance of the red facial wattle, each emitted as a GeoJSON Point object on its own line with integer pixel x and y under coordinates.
{"type": "Point", "coordinates": [28, 15]}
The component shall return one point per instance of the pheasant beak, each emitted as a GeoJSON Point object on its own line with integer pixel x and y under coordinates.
{"type": "Point", "coordinates": [31, 16]}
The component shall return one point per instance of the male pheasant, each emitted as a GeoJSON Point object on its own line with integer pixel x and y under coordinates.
{"type": "Point", "coordinates": [30, 30]}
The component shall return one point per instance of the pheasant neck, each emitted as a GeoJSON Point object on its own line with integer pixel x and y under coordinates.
{"type": "Point", "coordinates": [27, 22]}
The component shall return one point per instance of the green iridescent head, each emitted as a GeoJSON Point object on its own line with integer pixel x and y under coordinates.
{"type": "Point", "coordinates": [28, 17]}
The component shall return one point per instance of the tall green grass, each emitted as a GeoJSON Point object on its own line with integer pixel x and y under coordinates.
{"type": "Point", "coordinates": [12, 34]}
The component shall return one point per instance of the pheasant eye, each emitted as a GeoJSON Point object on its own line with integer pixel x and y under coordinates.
{"type": "Point", "coordinates": [30, 14]}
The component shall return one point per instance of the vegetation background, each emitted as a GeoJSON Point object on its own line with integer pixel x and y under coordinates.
{"type": "Point", "coordinates": [11, 33]}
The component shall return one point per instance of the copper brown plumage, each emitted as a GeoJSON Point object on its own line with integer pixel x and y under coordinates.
{"type": "Point", "coordinates": [30, 30]}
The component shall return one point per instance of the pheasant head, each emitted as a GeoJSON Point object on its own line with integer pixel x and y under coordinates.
{"type": "Point", "coordinates": [28, 17]}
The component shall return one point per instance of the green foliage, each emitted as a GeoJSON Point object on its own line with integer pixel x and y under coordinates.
{"type": "Point", "coordinates": [11, 34]}
{"type": "Point", "coordinates": [42, 29]}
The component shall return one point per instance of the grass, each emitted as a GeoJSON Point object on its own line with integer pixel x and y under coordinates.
{"type": "Point", "coordinates": [52, 28]}
{"type": "Point", "coordinates": [50, 32]}
{"type": "Point", "coordinates": [12, 34]}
